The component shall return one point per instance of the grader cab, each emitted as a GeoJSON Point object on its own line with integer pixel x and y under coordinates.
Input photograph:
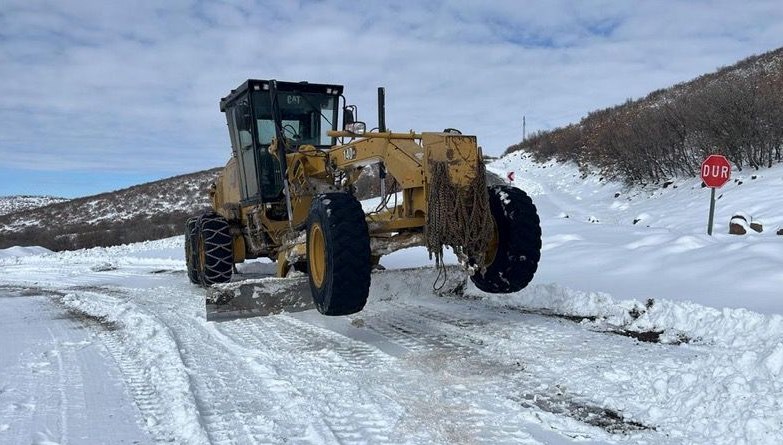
{"type": "Point", "coordinates": [288, 194]}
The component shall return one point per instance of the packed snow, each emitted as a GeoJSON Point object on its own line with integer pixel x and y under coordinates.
{"type": "Point", "coordinates": [638, 328]}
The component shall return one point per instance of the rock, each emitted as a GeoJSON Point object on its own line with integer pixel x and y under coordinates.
{"type": "Point", "coordinates": [780, 232]}
{"type": "Point", "coordinates": [741, 223]}
{"type": "Point", "coordinates": [738, 225]}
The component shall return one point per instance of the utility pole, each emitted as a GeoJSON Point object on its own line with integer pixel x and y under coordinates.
{"type": "Point", "coordinates": [523, 128]}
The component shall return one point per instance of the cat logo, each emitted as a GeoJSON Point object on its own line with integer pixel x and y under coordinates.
{"type": "Point", "coordinates": [349, 153]}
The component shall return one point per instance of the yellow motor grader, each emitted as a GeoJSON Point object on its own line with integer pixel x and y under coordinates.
{"type": "Point", "coordinates": [288, 194]}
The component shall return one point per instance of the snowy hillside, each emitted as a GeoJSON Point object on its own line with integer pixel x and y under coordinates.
{"type": "Point", "coordinates": [146, 211]}
{"type": "Point", "coordinates": [11, 204]}
{"type": "Point", "coordinates": [638, 328]}
{"type": "Point", "coordinates": [652, 243]}
{"type": "Point", "coordinates": [173, 194]}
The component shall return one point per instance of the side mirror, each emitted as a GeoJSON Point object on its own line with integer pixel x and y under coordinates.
{"type": "Point", "coordinates": [350, 124]}
{"type": "Point", "coordinates": [349, 116]}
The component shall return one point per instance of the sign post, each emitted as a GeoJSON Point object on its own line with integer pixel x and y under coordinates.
{"type": "Point", "coordinates": [715, 172]}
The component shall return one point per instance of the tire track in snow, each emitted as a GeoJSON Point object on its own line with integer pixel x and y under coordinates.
{"type": "Point", "coordinates": [240, 399]}
{"type": "Point", "coordinates": [230, 402]}
{"type": "Point", "coordinates": [144, 349]}
{"type": "Point", "coordinates": [478, 385]}
{"type": "Point", "coordinates": [143, 393]}
{"type": "Point", "coordinates": [465, 334]}
{"type": "Point", "coordinates": [65, 372]}
{"type": "Point", "coordinates": [439, 403]}
{"type": "Point", "coordinates": [226, 399]}
{"type": "Point", "coordinates": [413, 332]}
{"type": "Point", "coordinates": [328, 373]}
{"type": "Point", "coordinates": [446, 390]}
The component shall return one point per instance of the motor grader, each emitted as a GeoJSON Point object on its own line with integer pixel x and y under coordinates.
{"type": "Point", "coordinates": [288, 193]}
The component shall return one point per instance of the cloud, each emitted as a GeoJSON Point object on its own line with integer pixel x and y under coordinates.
{"type": "Point", "coordinates": [134, 88]}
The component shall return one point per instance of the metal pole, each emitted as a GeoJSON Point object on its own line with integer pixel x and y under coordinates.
{"type": "Point", "coordinates": [712, 211]}
{"type": "Point", "coordinates": [381, 110]}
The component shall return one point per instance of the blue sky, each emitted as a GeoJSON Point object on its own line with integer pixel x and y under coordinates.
{"type": "Point", "coordinates": [100, 95]}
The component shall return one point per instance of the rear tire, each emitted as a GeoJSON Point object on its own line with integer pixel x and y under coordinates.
{"type": "Point", "coordinates": [215, 262]}
{"type": "Point", "coordinates": [517, 249]}
{"type": "Point", "coordinates": [338, 254]}
{"type": "Point", "coordinates": [191, 250]}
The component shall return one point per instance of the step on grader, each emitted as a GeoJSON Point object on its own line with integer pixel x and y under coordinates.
{"type": "Point", "coordinates": [288, 194]}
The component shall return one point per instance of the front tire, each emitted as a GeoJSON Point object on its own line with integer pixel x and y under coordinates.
{"type": "Point", "coordinates": [338, 254]}
{"type": "Point", "coordinates": [514, 253]}
{"type": "Point", "coordinates": [191, 250]}
{"type": "Point", "coordinates": [215, 250]}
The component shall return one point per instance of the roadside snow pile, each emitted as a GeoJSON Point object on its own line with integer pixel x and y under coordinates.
{"type": "Point", "coordinates": [168, 249]}
{"type": "Point", "coordinates": [18, 251]}
{"type": "Point", "coordinates": [675, 322]}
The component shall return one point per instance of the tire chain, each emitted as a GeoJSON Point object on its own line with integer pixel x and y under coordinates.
{"type": "Point", "coordinates": [191, 252]}
{"type": "Point", "coordinates": [218, 254]}
{"type": "Point", "coordinates": [458, 216]}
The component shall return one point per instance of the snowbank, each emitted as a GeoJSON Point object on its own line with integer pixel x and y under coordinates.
{"type": "Point", "coordinates": [19, 251]}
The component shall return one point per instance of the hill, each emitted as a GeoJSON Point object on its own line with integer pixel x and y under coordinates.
{"type": "Point", "coordinates": [148, 211]}
{"type": "Point", "coordinates": [736, 111]}
{"type": "Point", "coordinates": [11, 204]}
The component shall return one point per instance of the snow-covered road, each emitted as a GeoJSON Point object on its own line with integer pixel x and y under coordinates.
{"type": "Point", "coordinates": [128, 356]}
{"type": "Point", "coordinates": [58, 383]}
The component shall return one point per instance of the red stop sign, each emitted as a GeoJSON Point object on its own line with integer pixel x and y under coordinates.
{"type": "Point", "coordinates": [715, 171]}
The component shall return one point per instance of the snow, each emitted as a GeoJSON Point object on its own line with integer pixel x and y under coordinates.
{"type": "Point", "coordinates": [667, 253]}
{"type": "Point", "coordinates": [58, 383]}
{"type": "Point", "coordinates": [11, 204]}
{"type": "Point", "coordinates": [637, 328]}
{"type": "Point", "coordinates": [18, 251]}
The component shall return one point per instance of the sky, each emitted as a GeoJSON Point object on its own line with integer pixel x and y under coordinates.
{"type": "Point", "coordinates": [101, 95]}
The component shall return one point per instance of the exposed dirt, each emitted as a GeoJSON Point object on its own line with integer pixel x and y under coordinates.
{"type": "Point", "coordinates": [559, 403]}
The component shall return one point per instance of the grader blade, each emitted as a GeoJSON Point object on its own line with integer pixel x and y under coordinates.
{"type": "Point", "coordinates": [258, 297]}
{"type": "Point", "coordinates": [271, 296]}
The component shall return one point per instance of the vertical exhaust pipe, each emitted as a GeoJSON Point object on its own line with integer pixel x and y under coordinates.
{"type": "Point", "coordinates": [381, 110]}
{"type": "Point", "coordinates": [382, 129]}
